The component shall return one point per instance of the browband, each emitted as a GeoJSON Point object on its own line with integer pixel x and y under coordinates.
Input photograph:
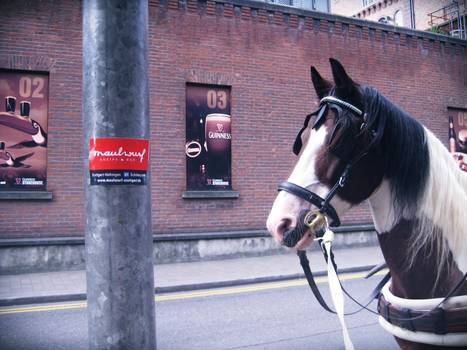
{"type": "Point", "coordinates": [332, 99]}
{"type": "Point", "coordinates": [320, 113]}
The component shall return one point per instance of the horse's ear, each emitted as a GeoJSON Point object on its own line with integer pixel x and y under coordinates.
{"type": "Point", "coordinates": [344, 84]}
{"type": "Point", "coordinates": [339, 74]}
{"type": "Point", "coordinates": [322, 86]}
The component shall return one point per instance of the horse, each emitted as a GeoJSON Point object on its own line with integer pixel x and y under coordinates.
{"type": "Point", "coordinates": [416, 192]}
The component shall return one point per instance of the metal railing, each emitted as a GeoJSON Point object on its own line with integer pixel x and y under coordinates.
{"type": "Point", "coordinates": [450, 20]}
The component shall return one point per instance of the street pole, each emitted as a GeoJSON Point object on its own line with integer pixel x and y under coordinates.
{"type": "Point", "coordinates": [120, 280]}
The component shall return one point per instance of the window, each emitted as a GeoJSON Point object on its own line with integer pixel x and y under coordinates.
{"type": "Point", "coordinates": [368, 2]}
{"type": "Point", "coordinates": [315, 5]}
{"type": "Point", "coordinates": [398, 20]}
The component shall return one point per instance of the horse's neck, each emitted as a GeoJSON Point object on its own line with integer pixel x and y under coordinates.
{"type": "Point", "coordinates": [416, 278]}
{"type": "Point", "coordinates": [421, 278]}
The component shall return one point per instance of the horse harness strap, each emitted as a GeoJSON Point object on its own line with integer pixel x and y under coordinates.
{"type": "Point", "coordinates": [438, 321]}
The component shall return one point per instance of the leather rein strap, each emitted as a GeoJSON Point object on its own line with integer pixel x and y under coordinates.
{"type": "Point", "coordinates": [314, 288]}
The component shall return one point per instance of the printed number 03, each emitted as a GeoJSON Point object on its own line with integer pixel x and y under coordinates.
{"type": "Point", "coordinates": [217, 99]}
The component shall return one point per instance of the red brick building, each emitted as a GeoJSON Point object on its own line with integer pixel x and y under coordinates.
{"type": "Point", "coordinates": [263, 53]}
{"type": "Point", "coordinates": [443, 16]}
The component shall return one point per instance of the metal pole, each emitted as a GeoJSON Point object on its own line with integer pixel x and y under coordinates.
{"type": "Point", "coordinates": [412, 14]}
{"type": "Point", "coordinates": [120, 282]}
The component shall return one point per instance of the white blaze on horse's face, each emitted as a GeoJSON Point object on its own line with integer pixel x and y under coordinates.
{"type": "Point", "coordinates": [286, 207]}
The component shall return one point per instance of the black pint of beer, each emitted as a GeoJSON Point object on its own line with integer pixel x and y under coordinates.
{"type": "Point", "coordinates": [24, 108]}
{"type": "Point", "coordinates": [218, 145]}
{"type": "Point", "coordinates": [10, 104]}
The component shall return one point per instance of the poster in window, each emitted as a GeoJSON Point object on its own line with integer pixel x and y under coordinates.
{"type": "Point", "coordinates": [208, 137]}
{"type": "Point", "coordinates": [458, 135]}
{"type": "Point", "coordinates": [23, 130]}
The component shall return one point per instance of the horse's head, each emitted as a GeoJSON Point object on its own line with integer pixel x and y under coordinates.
{"type": "Point", "coordinates": [336, 140]}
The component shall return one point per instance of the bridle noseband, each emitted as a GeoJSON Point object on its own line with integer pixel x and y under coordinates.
{"type": "Point", "coordinates": [323, 204]}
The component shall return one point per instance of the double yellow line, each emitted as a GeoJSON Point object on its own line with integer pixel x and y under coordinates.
{"type": "Point", "coordinates": [190, 295]}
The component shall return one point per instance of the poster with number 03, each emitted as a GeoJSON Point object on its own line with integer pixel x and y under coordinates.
{"type": "Point", "coordinates": [208, 137]}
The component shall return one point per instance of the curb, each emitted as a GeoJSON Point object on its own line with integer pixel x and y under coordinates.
{"type": "Point", "coordinates": [43, 299]}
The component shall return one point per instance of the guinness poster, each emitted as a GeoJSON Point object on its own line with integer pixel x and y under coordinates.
{"type": "Point", "coordinates": [23, 130]}
{"type": "Point", "coordinates": [458, 135]}
{"type": "Point", "coordinates": [208, 137]}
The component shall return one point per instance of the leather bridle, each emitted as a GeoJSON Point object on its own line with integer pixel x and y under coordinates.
{"type": "Point", "coordinates": [323, 204]}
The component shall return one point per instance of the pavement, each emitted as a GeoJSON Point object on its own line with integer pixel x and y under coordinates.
{"type": "Point", "coordinates": [46, 287]}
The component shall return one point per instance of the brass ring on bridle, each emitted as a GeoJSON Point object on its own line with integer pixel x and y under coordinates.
{"type": "Point", "coordinates": [314, 220]}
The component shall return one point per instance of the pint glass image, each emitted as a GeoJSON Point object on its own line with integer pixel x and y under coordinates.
{"type": "Point", "coordinates": [218, 146]}
{"type": "Point", "coordinates": [10, 104]}
{"type": "Point", "coordinates": [25, 108]}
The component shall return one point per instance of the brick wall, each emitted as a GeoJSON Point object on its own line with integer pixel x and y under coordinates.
{"type": "Point", "coordinates": [263, 52]}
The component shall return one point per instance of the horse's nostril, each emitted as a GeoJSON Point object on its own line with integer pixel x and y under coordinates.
{"type": "Point", "coordinates": [284, 226]}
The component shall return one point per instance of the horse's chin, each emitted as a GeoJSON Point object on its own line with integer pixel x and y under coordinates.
{"type": "Point", "coordinates": [305, 242]}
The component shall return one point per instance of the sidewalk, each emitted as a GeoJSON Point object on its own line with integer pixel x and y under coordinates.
{"type": "Point", "coordinates": [71, 285]}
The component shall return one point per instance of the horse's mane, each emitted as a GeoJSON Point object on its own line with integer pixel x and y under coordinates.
{"type": "Point", "coordinates": [426, 183]}
{"type": "Point", "coordinates": [402, 143]}
{"type": "Point", "coordinates": [442, 208]}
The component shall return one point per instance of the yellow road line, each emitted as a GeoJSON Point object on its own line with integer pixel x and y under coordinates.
{"type": "Point", "coordinates": [21, 309]}
{"type": "Point", "coordinates": [254, 287]}
{"type": "Point", "coordinates": [189, 295]}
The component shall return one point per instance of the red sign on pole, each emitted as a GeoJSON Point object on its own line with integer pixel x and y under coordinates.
{"type": "Point", "coordinates": [118, 161]}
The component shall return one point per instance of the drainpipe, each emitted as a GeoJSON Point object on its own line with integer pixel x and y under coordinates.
{"type": "Point", "coordinates": [412, 14]}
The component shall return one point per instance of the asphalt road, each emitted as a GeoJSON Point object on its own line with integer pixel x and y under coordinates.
{"type": "Point", "coordinates": [274, 316]}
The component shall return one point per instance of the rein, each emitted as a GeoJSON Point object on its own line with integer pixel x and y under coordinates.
{"type": "Point", "coordinates": [317, 222]}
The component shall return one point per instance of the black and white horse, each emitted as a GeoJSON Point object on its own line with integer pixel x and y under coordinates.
{"type": "Point", "coordinates": [416, 192]}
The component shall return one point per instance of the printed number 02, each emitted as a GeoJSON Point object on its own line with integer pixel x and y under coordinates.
{"type": "Point", "coordinates": [31, 87]}
{"type": "Point", "coordinates": [217, 99]}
